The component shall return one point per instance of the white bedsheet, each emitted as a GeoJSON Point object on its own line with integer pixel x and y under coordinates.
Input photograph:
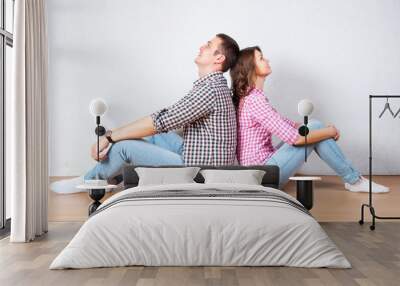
{"type": "Point", "coordinates": [200, 231]}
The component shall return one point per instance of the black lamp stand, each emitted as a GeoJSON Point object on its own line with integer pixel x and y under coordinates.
{"type": "Point", "coordinates": [303, 131]}
{"type": "Point", "coordinates": [97, 194]}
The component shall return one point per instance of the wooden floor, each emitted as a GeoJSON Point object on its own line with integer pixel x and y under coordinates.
{"type": "Point", "coordinates": [331, 201]}
{"type": "Point", "coordinates": [374, 255]}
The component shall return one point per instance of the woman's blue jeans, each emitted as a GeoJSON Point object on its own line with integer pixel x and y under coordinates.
{"type": "Point", "coordinates": [160, 149]}
{"type": "Point", "coordinates": [290, 158]}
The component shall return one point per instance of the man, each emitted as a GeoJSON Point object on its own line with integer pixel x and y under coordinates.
{"type": "Point", "coordinates": [206, 114]}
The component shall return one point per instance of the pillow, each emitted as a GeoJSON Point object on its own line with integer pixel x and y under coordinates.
{"type": "Point", "coordinates": [249, 177]}
{"type": "Point", "coordinates": [162, 176]}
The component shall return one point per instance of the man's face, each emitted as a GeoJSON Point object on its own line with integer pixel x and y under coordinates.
{"type": "Point", "coordinates": [209, 53]}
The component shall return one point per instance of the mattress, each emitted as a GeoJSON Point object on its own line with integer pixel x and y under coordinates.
{"type": "Point", "coordinates": [201, 225]}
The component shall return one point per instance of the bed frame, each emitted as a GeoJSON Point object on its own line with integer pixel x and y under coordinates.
{"type": "Point", "coordinates": [270, 179]}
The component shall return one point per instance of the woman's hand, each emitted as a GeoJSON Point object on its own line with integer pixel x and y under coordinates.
{"type": "Point", "coordinates": [103, 144]}
{"type": "Point", "coordinates": [335, 132]}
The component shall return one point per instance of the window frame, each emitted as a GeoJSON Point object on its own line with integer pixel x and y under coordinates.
{"type": "Point", "coordinates": [6, 39]}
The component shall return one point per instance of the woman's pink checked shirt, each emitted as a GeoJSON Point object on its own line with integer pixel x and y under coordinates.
{"type": "Point", "coordinates": [257, 122]}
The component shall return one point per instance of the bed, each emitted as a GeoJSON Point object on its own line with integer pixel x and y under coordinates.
{"type": "Point", "coordinates": [201, 224]}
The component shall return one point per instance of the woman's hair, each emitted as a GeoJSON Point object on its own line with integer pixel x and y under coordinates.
{"type": "Point", "coordinates": [242, 73]}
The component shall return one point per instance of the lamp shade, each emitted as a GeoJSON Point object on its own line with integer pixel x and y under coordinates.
{"type": "Point", "coordinates": [305, 107]}
{"type": "Point", "coordinates": [97, 107]}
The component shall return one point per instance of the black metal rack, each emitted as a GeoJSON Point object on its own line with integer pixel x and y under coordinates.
{"type": "Point", "coordinates": [370, 205]}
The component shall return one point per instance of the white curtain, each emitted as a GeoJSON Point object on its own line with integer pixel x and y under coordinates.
{"type": "Point", "coordinates": [28, 120]}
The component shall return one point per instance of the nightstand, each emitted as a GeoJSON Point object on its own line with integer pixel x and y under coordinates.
{"type": "Point", "coordinates": [96, 193]}
{"type": "Point", "coordinates": [304, 190]}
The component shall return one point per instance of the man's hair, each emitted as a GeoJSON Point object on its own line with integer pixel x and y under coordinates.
{"type": "Point", "coordinates": [230, 49]}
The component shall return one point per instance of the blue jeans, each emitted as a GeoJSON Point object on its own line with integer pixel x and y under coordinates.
{"type": "Point", "coordinates": [160, 149]}
{"type": "Point", "coordinates": [290, 158]}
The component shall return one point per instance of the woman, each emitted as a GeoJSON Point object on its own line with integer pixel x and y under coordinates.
{"type": "Point", "coordinates": [258, 121]}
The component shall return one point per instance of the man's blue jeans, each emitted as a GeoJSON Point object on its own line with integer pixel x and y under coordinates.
{"type": "Point", "coordinates": [290, 158]}
{"type": "Point", "coordinates": [160, 149]}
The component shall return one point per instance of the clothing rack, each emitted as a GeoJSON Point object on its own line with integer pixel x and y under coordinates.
{"type": "Point", "coordinates": [370, 205]}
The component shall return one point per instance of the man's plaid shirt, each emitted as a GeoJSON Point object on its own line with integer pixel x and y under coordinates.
{"type": "Point", "coordinates": [208, 118]}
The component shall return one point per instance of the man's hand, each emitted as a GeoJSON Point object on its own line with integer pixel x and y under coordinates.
{"type": "Point", "coordinates": [336, 132]}
{"type": "Point", "coordinates": [103, 144]}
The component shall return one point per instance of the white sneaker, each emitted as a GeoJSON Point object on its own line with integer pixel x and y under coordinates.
{"type": "Point", "coordinates": [362, 185]}
{"type": "Point", "coordinates": [68, 186]}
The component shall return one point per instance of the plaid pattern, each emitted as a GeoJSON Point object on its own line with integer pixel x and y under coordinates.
{"type": "Point", "coordinates": [257, 122]}
{"type": "Point", "coordinates": [208, 118]}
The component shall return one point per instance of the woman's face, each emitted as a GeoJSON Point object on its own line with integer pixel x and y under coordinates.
{"type": "Point", "coordinates": [262, 64]}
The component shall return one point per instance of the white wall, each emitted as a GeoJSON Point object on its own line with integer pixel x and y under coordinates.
{"type": "Point", "coordinates": [138, 56]}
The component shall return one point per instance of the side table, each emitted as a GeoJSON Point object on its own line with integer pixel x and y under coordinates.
{"type": "Point", "coordinates": [96, 193]}
{"type": "Point", "coordinates": [304, 190]}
